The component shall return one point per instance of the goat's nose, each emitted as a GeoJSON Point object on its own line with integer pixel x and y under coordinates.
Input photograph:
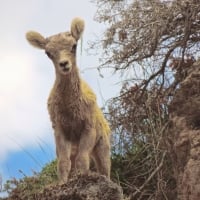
{"type": "Point", "coordinates": [63, 63]}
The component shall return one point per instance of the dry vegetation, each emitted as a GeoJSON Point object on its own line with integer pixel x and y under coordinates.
{"type": "Point", "coordinates": [153, 44]}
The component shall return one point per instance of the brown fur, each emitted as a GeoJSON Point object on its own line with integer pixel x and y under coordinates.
{"type": "Point", "coordinates": [81, 130]}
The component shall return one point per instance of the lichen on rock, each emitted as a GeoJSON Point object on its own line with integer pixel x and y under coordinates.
{"type": "Point", "coordinates": [90, 186]}
{"type": "Point", "coordinates": [83, 187]}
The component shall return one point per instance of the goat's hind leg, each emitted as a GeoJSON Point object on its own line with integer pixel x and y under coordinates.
{"type": "Point", "coordinates": [101, 156]}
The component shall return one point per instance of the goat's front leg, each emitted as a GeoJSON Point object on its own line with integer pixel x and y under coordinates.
{"type": "Point", "coordinates": [86, 145]}
{"type": "Point", "coordinates": [63, 151]}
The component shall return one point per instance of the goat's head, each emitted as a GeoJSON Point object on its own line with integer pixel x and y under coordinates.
{"type": "Point", "coordinates": [60, 48]}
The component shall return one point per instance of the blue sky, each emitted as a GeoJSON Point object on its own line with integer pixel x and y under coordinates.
{"type": "Point", "coordinates": [27, 75]}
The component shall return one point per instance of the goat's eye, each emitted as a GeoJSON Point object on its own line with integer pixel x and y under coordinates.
{"type": "Point", "coordinates": [74, 48]}
{"type": "Point", "coordinates": [48, 54]}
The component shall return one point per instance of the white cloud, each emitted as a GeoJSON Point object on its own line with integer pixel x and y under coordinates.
{"type": "Point", "coordinates": [23, 113]}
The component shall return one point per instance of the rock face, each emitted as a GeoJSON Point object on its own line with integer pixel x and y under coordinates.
{"type": "Point", "coordinates": [185, 131]}
{"type": "Point", "coordinates": [81, 187]}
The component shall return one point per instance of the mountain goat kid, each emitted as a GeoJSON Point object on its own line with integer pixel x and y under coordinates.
{"type": "Point", "coordinates": [81, 131]}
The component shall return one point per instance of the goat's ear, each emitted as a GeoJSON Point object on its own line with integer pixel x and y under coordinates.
{"type": "Point", "coordinates": [77, 27]}
{"type": "Point", "coordinates": [36, 39]}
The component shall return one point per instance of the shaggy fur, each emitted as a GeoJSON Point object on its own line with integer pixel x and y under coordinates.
{"type": "Point", "coordinates": [81, 130]}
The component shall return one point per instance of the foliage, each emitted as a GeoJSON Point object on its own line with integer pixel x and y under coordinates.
{"type": "Point", "coordinates": [145, 36]}
{"type": "Point", "coordinates": [25, 187]}
{"type": "Point", "coordinates": [140, 159]}
{"type": "Point", "coordinates": [152, 44]}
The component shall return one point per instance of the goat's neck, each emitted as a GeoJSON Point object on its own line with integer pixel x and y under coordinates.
{"type": "Point", "coordinates": [68, 86]}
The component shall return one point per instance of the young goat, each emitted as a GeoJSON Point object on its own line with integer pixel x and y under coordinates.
{"type": "Point", "coordinates": [81, 131]}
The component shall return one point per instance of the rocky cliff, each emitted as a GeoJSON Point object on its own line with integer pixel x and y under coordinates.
{"type": "Point", "coordinates": [185, 133]}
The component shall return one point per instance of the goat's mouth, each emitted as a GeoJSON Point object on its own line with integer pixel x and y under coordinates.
{"type": "Point", "coordinates": [65, 70]}
{"type": "Point", "coordinates": [64, 66]}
